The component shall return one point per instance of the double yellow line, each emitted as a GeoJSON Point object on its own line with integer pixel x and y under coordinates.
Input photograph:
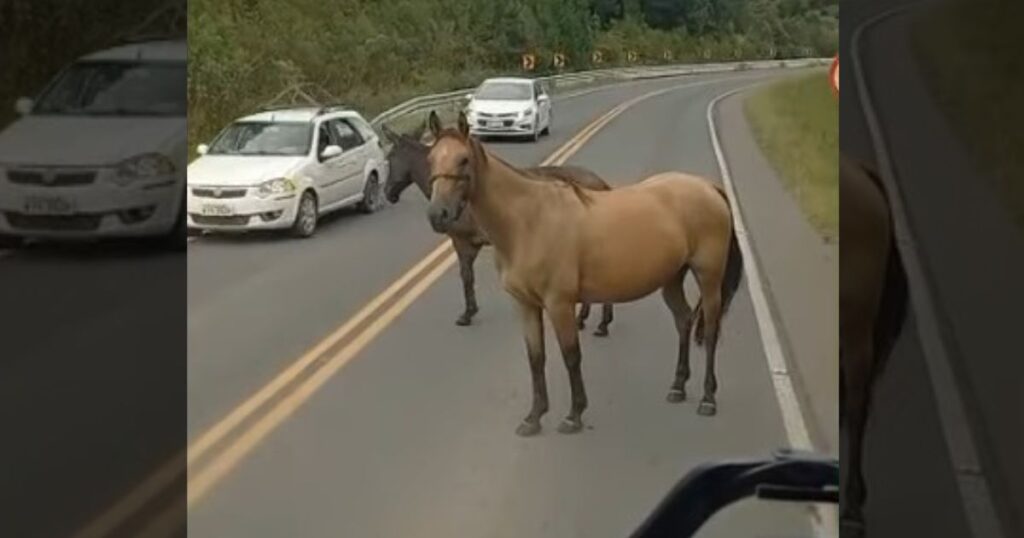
{"type": "Point", "coordinates": [215, 453]}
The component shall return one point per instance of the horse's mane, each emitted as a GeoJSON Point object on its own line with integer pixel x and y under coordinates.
{"type": "Point", "coordinates": [578, 189]}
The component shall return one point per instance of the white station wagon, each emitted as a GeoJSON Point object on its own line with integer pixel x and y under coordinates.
{"type": "Point", "coordinates": [284, 168]}
{"type": "Point", "coordinates": [102, 151]}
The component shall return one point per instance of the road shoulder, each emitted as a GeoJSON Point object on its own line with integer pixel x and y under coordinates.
{"type": "Point", "coordinates": [804, 300]}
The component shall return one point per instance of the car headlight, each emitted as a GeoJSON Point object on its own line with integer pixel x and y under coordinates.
{"type": "Point", "coordinates": [274, 187]}
{"type": "Point", "coordinates": [529, 112]}
{"type": "Point", "coordinates": [145, 166]}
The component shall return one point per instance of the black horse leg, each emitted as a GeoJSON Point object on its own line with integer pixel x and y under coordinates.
{"type": "Point", "coordinates": [467, 254]}
{"type": "Point", "coordinates": [606, 319]}
{"type": "Point", "coordinates": [581, 320]}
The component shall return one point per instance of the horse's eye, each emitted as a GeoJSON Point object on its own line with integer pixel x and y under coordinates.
{"type": "Point", "coordinates": [464, 162]}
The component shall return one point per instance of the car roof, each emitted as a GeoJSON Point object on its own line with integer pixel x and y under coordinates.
{"type": "Point", "coordinates": [298, 114]}
{"type": "Point", "coordinates": [166, 50]}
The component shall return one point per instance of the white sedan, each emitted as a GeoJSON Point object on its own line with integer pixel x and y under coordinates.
{"type": "Point", "coordinates": [285, 168]}
{"type": "Point", "coordinates": [510, 107]}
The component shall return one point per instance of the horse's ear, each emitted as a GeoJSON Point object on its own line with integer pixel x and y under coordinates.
{"type": "Point", "coordinates": [435, 124]}
{"type": "Point", "coordinates": [463, 124]}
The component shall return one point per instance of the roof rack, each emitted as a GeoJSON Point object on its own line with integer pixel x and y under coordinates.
{"type": "Point", "coordinates": [283, 106]}
{"type": "Point", "coordinates": [324, 109]}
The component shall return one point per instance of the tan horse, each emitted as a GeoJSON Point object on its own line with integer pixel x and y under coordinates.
{"type": "Point", "coordinates": [407, 165]}
{"type": "Point", "coordinates": [872, 308]}
{"type": "Point", "coordinates": [557, 244]}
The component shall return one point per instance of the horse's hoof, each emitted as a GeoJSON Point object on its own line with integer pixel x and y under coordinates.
{"type": "Point", "coordinates": [528, 429]}
{"type": "Point", "coordinates": [676, 396]}
{"type": "Point", "coordinates": [707, 409]}
{"type": "Point", "coordinates": [569, 425]}
{"type": "Point", "coordinates": [464, 321]}
{"type": "Point", "coordinates": [601, 331]}
{"type": "Point", "coordinates": [851, 528]}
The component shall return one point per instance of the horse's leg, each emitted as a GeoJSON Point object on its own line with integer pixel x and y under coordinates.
{"type": "Point", "coordinates": [856, 388]}
{"type": "Point", "coordinates": [533, 330]}
{"type": "Point", "coordinates": [698, 335]}
{"type": "Point", "coordinates": [467, 252]}
{"type": "Point", "coordinates": [606, 319]}
{"type": "Point", "coordinates": [568, 340]}
{"type": "Point", "coordinates": [675, 298]}
{"type": "Point", "coordinates": [581, 320]}
{"type": "Point", "coordinates": [711, 315]}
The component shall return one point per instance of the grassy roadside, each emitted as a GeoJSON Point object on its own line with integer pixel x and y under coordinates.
{"type": "Point", "coordinates": [796, 123]}
{"type": "Point", "coordinates": [970, 58]}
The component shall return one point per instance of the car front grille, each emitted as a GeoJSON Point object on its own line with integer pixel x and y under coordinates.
{"type": "Point", "coordinates": [506, 123]}
{"type": "Point", "coordinates": [499, 116]}
{"type": "Point", "coordinates": [205, 192]}
{"type": "Point", "coordinates": [59, 179]}
{"type": "Point", "coordinates": [78, 223]}
{"type": "Point", "coordinates": [235, 220]}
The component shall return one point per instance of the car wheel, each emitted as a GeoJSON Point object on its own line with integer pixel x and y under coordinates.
{"type": "Point", "coordinates": [305, 216]}
{"type": "Point", "coordinates": [372, 198]}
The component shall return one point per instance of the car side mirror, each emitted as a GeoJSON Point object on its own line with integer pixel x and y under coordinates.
{"type": "Point", "coordinates": [202, 149]}
{"type": "Point", "coordinates": [468, 97]}
{"type": "Point", "coordinates": [330, 152]}
{"type": "Point", "coordinates": [23, 106]}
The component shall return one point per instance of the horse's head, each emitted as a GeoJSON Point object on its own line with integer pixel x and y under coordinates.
{"type": "Point", "coordinates": [453, 163]}
{"type": "Point", "coordinates": [406, 163]}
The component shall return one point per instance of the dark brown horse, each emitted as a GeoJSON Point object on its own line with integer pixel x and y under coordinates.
{"type": "Point", "coordinates": [408, 165]}
{"type": "Point", "coordinates": [872, 308]}
{"type": "Point", "coordinates": [558, 244]}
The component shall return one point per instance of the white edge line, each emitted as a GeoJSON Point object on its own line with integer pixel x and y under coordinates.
{"type": "Point", "coordinates": [972, 482]}
{"type": "Point", "coordinates": [826, 520]}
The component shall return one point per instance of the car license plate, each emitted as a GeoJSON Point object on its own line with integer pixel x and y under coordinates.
{"type": "Point", "coordinates": [218, 210]}
{"type": "Point", "coordinates": [494, 124]}
{"type": "Point", "coordinates": [48, 205]}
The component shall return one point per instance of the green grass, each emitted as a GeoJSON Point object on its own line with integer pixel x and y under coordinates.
{"type": "Point", "coordinates": [969, 54]}
{"type": "Point", "coordinates": [796, 123]}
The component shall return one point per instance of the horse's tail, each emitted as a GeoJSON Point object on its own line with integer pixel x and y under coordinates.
{"type": "Point", "coordinates": [892, 309]}
{"type": "Point", "coordinates": [730, 279]}
{"type": "Point", "coordinates": [734, 261]}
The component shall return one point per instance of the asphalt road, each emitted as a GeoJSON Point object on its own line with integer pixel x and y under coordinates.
{"type": "Point", "coordinates": [92, 374]}
{"type": "Point", "coordinates": [414, 436]}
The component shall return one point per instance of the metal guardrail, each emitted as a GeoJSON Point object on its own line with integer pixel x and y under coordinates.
{"type": "Point", "coordinates": [611, 74]}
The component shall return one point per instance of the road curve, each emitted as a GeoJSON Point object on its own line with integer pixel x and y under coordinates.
{"type": "Point", "coordinates": [414, 437]}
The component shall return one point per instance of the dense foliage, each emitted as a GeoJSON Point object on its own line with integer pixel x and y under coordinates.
{"type": "Point", "coordinates": [39, 37]}
{"type": "Point", "coordinates": [375, 53]}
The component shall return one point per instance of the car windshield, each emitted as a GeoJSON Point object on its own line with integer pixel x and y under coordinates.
{"type": "Point", "coordinates": [264, 138]}
{"type": "Point", "coordinates": [504, 91]}
{"type": "Point", "coordinates": [117, 88]}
